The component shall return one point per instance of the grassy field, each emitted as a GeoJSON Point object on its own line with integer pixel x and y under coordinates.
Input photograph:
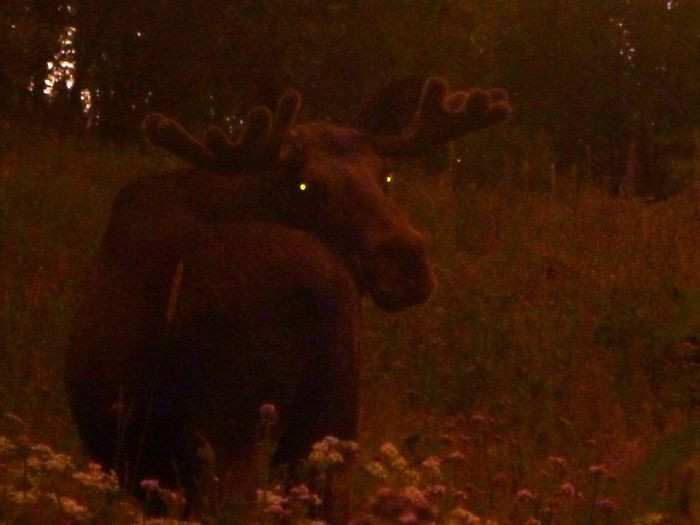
{"type": "Point", "coordinates": [554, 376]}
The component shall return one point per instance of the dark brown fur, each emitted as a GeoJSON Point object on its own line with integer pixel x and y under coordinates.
{"type": "Point", "coordinates": [212, 294]}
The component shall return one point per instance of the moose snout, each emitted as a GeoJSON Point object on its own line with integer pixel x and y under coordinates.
{"type": "Point", "coordinates": [397, 272]}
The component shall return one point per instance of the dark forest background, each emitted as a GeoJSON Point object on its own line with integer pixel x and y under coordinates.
{"type": "Point", "coordinates": [592, 82]}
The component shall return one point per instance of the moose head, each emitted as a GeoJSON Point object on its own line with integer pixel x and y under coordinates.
{"type": "Point", "coordinates": [333, 181]}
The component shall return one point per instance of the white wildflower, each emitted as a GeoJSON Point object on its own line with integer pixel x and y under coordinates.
{"type": "Point", "coordinates": [59, 463]}
{"type": "Point", "coordinates": [377, 470]}
{"type": "Point", "coordinates": [6, 446]}
{"type": "Point", "coordinates": [415, 494]}
{"type": "Point", "coordinates": [461, 516]}
{"type": "Point", "coordinates": [432, 463]}
{"type": "Point", "coordinates": [390, 451]}
{"type": "Point", "coordinates": [411, 477]}
{"type": "Point", "coordinates": [23, 496]}
{"type": "Point", "coordinates": [400, 464]}
{"type": "Point", "coordinates": [72, 507]}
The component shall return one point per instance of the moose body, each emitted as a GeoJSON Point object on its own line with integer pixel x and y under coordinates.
{"type": "Point", "coordinates": [238, 282]}
{"type": "Point", "coordinates": [265, 314]}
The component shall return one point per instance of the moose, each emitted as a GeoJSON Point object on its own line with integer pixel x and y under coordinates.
{"type": "Point", "coordinates": [237, 282]}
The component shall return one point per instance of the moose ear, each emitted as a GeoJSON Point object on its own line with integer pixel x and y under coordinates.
{"type": "Point", "coordinates": [390, 109]}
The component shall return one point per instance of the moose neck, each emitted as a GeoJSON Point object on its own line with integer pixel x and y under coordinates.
{"type": "Point", "coordinates": [220, 198]}
{"type": "Point", "coordinates": [157, 218]}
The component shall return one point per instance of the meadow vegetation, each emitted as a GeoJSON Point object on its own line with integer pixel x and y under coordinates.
{"type": "Point", "coordinates": [553, 378]}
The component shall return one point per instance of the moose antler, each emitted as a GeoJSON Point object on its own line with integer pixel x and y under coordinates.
{"type": "Point", "coordinates": [443, 116]}
{"type": "Point", "coordinates": [257, 145]}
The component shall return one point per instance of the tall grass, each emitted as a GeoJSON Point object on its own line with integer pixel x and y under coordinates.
{"type": "Point", "coordinates": [561, 345]}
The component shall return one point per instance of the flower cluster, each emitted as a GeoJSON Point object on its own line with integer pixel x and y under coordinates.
{"type": "Point", "coordinates": [293, 505]}
{"type": "Point", "coordinates": [332, 452]}
{"type": "Point", "coordinates": [392, 467]}
{"type": "Point", "coordinates": [93, 476]}
{"type": "Point", "coordinates": [405, 505]}
{"type": "Point", "coordinates": [40, 485]}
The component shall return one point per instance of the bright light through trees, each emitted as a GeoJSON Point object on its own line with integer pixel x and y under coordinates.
{"type": "Point", "coordinates": [61, 69]}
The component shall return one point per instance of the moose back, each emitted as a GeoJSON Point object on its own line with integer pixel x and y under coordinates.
{"type": "Point", "coordinates": [237, 282]}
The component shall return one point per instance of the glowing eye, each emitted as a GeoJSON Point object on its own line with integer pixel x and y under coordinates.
{"type": "Point", "coordinates": [388, 178]}
{"type": "Point", "coordinates": [302, 186]}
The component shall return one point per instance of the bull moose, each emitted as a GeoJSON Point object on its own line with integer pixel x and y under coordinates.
{"type": "Point", "coordinates": [237, 282]}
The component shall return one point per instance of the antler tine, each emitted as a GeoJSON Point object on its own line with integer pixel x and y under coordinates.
{"type": "Point", "coordinates": [257, 127]}
{"type": "Point", "coordinates": [236, 156]}
{"type": "Point", "coordinates": [442, 116]}
{"type": "Point", "coordinates": [169, 134]}
{"type": "Point", "coordinates": [257, 146]}
{"type": "Point", "coordinates": [287, 110]}
{"type": "Point", "coordinates": [261, 137]}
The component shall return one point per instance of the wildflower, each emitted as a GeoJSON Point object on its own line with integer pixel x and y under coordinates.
{"type": "Point", "coordinates": [329, 452]}
{"type": "Point", "coordinates": [460, 495]}
{"type": "Point", "coordinates": [606, 505]}
{"type": "Point", "coordinates": [150, 484]}
{"type": "Point", "coordinates": [6, 446]}
{"type": "Point", "coordinates": [655, 518]}
{"type": "Point", "coordinates": [461, 516]}
{"type": "Point", "coordinates": [268, 415]}
{"type": "Point", "coordinates": [272, 502]}
{"type": "Point", "coordinates": [399, 464]}
{"type": "Point", "coordinates": [59, 463]}
{"type": "Point", "coordinates": [42, 450]}
{"type": "Point", "coordinates": [34, 463]}
{"type": "Point", "coordinates": [349, 446]}
{"type": "Point", "coordinates": [276, 509]}
{"type": "Point", "coordinates": [23, 496]}
{"type": "Point", "coordinates": [407, 506]}
{"type": "Point", "coordinates": [323, 459]}
{"type": "Point", "coordinates": [331, 441]}
{"type": "Point", "coordinates": [446, 439]}
{"type": "Point", "coordinates": [94, 477]}
{"type": "Point", "coordinates": [408, 517]}
{"type": "Point", "coordinates": [377, 470]}
{"type": "Point", "coordinates": [270, 497]}
{"type": "Point", "coordinates": [503, 480]}
{"type": "Point", "coordinates": [23, 447]}
{"type": "Point", "coordinates": [597, 470]}
{"type": "Point", "coordinates": [411, 477]}
{"type": "Point", "coordinates": [388, 503]}
{"type": "Point", "coordinates": [435, 490]}
{"type": "Point", "coordinates": [432, 463]}
{"type": "Point", "coordinates": [478, 418]}
{"type": "Point", "coordinates": [525, 495]}
{"type": "Point", "coordinates": [568, 489]}
{"type": "Point", "coordinates": [390, 451]}
{"type": "Point", "coordinates": [455, 457]}
{"type": "Point", "coordinates": [174, 499]}
{"type": "Point", "coordinates": [72, 507]}
{"type": "Point", "coordinates": [415, 495]}
{"type": "Point", "coordinates": [557, 462]}
{"type": "Point", "coordinates": [302, 493]}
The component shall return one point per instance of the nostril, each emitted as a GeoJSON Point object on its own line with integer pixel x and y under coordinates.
{"type": "Point", "coordinates": [399, 268]}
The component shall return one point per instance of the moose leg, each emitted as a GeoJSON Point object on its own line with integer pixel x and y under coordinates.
{"type": "Point", "coordinates": [325, 405]}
